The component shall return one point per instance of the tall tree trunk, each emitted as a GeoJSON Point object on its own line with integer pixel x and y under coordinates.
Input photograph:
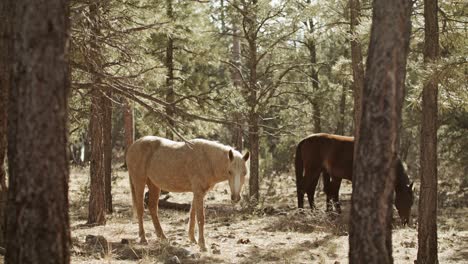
{"type": "Point", "coordinates": [427, 218]}
{"type": "Point", "coordinates": [129, 126]}
{"type": "Point", "coordinates": [314, 76]}
{"type": "Point", "coordinates": [237, 135]}
{"type": "Point", "coordinates": [370, 238]}
{"type": "Point", "coordinates": [6, 62]}
{"type": "Point", "coordinates": [252, 103]}
{"type": "Point", "coordinates": [97, 199]}
{"type": "Point", "coordinates": [170, 95]}
{"type": "Point", "coordinates": [107, 141]}
{"type": "Point", "coordinates": [340, 130]}
{"type": "Point", "coordinates": [37, 227]}
{"type": "Point", "coordinates": [356, 62]}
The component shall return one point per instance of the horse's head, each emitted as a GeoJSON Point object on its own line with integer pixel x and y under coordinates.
{"type": "Point", "coordinates": [237, 171]}
{"type": "Point", "coordinates": [404, 201]}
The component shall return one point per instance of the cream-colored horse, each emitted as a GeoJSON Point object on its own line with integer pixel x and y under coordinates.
{"type": "Point", "coordinates": [180, 167]}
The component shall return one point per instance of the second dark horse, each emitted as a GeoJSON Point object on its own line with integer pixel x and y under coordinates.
{"type": "Point", "coordinates": [332, 155]}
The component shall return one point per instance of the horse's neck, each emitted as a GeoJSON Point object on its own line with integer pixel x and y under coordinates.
{"type": "Point", "coordinates": [402, 179]}
{"type": "Point", "coordinates": [217, 160]}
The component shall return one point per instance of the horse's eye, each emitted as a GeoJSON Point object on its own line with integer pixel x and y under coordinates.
{"type": "Point", "coordinates": [230, 173]}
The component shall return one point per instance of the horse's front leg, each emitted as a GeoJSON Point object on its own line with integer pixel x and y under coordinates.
{"type": "Point", "coordinates": [191, 230]}
{"type": "Point", "coordinates": [200, 212]}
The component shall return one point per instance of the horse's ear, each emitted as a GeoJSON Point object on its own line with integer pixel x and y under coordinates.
{"type": "Point", "coordinates": [231, 155]}
{"type": "Point", "coordinates": [246, 156]}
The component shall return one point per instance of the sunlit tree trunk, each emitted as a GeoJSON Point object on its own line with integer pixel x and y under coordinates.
{"type": "Point", "coordinates": [237, 135]}
{"type": "Point", "coordinates": [170, 95]}
{"type": "Point", "coordinates": [312, 47]}
{"type": "Point", "coordinates": [107, 144]}
{"type": "Point", "coordinates": [357, 64]}
{"type": "Point", "coordinates": [37, 227]}
{"type": "Point", "coordinates": [97, 198]}
{"type": "Point", "coordinates": [427, 217]}
{"type": "Point", "coordinates": [129, 126]}
{"type": "Point", "coordinates": [370, 237]}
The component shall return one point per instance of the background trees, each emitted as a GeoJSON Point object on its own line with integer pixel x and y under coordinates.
{"type": "Point", "coordinates": [260, 74]}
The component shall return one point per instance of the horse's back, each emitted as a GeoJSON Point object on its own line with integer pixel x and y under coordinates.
{"type": "Point", "coordinates": [327, 151]}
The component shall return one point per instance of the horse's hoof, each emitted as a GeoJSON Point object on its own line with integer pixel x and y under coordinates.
{"type": "Point", "coordinates": [143, 241]}
{"type": "Point", "coordinates": [193, 240]}
{"type": "Point", "coordinates": [203, 248]}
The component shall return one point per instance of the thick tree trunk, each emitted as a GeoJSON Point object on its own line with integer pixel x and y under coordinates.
{"type": "Point", "coordinates": [252, 103]}
{"type": "Point", "coordinates": [97, 199]}
{"type": "Point", "coordinates": [129, 125]}
{"type": "Point", "coordinates": [427, 218]}
{"type": "Point", "coordinates": [6, 62]}
{"type": "Point", "coordinates": [237, 135]}
{"type": "Point", "coordinates": [356, 61]}
{"type": "Point", "coordinates": [315, 81]}
{"type": "Point", "coordinates": [340, 130]}
{"type": "Point", "coordinates": [376, 152]}
{"type": "Point", "coordinates": [254, 189]}
{"type": "Point", "coordinates": [107, 141]}
{"type": "Point", "coordinates": [37, 227]}
{"type": "Point", "coordinates": [170, 95]}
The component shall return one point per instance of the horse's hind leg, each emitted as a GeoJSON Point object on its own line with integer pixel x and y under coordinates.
{"type": "Point", "coordinates": [327, 190]}
{"type": "Point", "coordinates": [153, 200]}
{"type": "Point", "coordinates": [200, 211]}
{"type": "Point", "coordinates": [191, 232]}
{"type": "Point", "coordinates": [335, 186]}
{"type": "Point", "coordinates": [139, 188]}
{"type": "Point", "coordinates": [311, 179]}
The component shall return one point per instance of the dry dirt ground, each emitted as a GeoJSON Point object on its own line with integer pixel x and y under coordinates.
{"type": "Point", "coordinates": [273, 232]}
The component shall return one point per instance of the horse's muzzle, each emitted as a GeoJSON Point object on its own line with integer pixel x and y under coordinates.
{"type": "Point", "coordinates": [235, 198]}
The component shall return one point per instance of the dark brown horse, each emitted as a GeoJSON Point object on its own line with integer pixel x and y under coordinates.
{"type": "Point", "coordinates": [332, 155]}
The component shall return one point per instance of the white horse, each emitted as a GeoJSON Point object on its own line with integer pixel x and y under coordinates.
{"type": "Point", "coordinates": [180, 167]}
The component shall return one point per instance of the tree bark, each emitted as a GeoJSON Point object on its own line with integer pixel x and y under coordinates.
{"type": "Point", "coordinates": [356, 62]}
{"type": "Point", "coordinates": [170, 95]}
{"type": "Point", "coordinates": [129, 125]}
{"type": "Point", "coordinates": [237, 135]}
{"type": "Point", "coordinates": [376, 152]}
{"type": "Point", "coordinates": [252, 103]}
{"type": "Point", "coordinates": [6, 62]}
{"type": "Point", "coordinates": [340, 130]}
{"type": "Point", "coordinates": [107, 141]}
{"type": "Point", "coordinates": [427, 217]}
{"type": "Point", "coordinates": [37, 227]}
{"type": "Point", "coordinates": [315, 81]}
{"type": "Point", "coordinates": [97, 199]}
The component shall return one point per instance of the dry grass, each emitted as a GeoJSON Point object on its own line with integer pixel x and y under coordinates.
{"type": "Point", "coordinates": [272, 232]}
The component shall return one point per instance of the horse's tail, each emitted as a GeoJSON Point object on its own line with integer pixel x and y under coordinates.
{"type": "Point", "coordinates": [299, 166]}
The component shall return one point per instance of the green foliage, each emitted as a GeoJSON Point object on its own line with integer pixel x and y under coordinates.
{"type": "Point", "coordinates": [134, 37]}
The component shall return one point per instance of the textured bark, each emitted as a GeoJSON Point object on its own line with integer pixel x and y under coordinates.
{"type": "Point", "coordinates": [6, 62]}
{"type": "Point", "coordinates": [128, 124]}
{"type": "Point", "coordinates": [252, 103]}
{"type": "Point", "coordinates": [170, 95]}
{"type": "Point", "coordinates": [427, 217]}
{"type": "Point", "coordinates": [37, 227]}
{"type": "Point", "coordinates": [340, 130]}
{"type": "Point", "coordinates": [237, 135]}
{"type": "Point", "coordinates": [107, 142]}
{"type": "Point", "coordinates": [373, 174]}
{"type": "Point", "coordinates": [356, 62]}
{"type": "Point", "coordinates": [97, 200]}
{"type": "Point", "coordinates": [311, 46]}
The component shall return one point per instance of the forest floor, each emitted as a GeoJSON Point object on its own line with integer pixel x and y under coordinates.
{"type": "Point", "coordinates": [273, 232]}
